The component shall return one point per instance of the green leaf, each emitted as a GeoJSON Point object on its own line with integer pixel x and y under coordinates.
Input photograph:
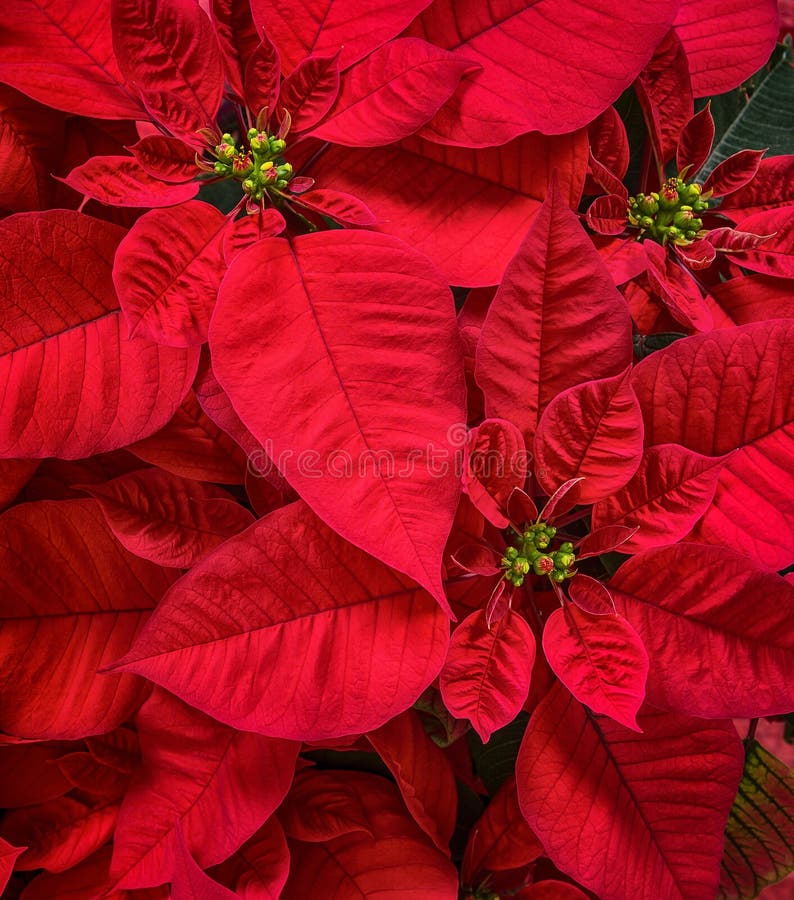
{"type": "Point", "coordinates": [495, 761]}
{"type": "Point", "coordinates": [759, 836]}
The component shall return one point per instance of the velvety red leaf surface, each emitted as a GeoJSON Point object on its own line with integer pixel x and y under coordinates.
{"type": "Point", "coordinates": [737, 614]}
{"type": "Point", "coordinates": [310, 90]}
{"type": "Point", "coordinates": [189, 881]}
{"type": "Point", "coordinates": [73, 601]}
{"type": "Point", "coordinates": [322, 805]}
{"type": "Point", "coordinates": [495, 463]}
{"type": "Point", "coordinates": [29, 774]}
{"type": "Point", "coordinates": [775, 255]}
{"type": "Point", "coordinates": [73, 384]}
{"type": "Point", "coordinates": [259, 869]}
{"type": "Point", "coordinates": [123, 181]}
{"type": "Point", "coordinates": [770, 188]}
{"type": "Point", "coordinates": [289, 588]}
{"type": "Point", "coordinates": [679, 770]}
{"type": "Point", "coordinates": [364, 331]}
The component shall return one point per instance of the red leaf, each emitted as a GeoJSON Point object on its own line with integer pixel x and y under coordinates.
{"type": "Point", "coordinates": [423, 774]}
{"type": "Point", "coordinates": [609, 143]}
{"type": "Point", "coordinates": [398, 858]}
{"type": "Point", "coordinates": [60, 833]}
{"type": "Point", "coordinates": [307, 594]}
{"type": "Point", "coordinates": [341, 207]}
{"type": "Point", "coordinates": [694, 143]}
{"type": "Point", "coordinates": [91, 777]}
{"type": "Point", "coordinates": [754, 298]}
{"type": "Point", "coordinates": [775, 256]}
{"type": "Point", "coordinates": [392, 93]}
{"type": "Point", "coordinates": [259, 869]}
{"type": "Point", "coordinates": [473, 241]}
{"type": "Point", "coordinates": [692, 595]}
{"type": "Point", "coordinates": [167, 272]}
{"type": "Point", "coordinates": [165, 158]}
{"type": "Point", "coordinates": [603, 540]}
{"type": "Point", "coordinates": [14, 475]}
{"type": "Point", "coordinates": [189, 881]}
{"type": "Point", "coordinates": [170, 45]}
{"type": "Point", "coordinates": [322, 805]}
{"type": "Point", "coordinates": [726, 41]}
{"type": "Point", "coordinates": [680, 769]}
{"type": "Point", "coordinates": [72, 386]}
{"type": "Point", "coordinates": [600, 659]}
{"type": "Point", "coordinates": [494, 464]}
{"type": "Point", "coordinates": [241, 233]}
{"type": "Point", "coordinates": [73, 600]}
{"type": "Point", "coordinates": [122, 181]}
{"type": "Point", "coordinates": [262, 76]}
{"type": "Point", "coordinates": [8, 857]}
{"type": "Point", "coordinates": [607, 214]}
{"type": "Point", "coordinates": [330, 26]}
{"type": "Point", "coordinates": [551, 890]}
{"type": "Point", "coordinates": [557, 319]}
{"type": "Point", "coordinates": [734, 172]}
{"type": "Point", "coordinates": [195, 773]}
{"type": "Point", "coordinates": [732, 390]}
{"type": "Point", "coordinates": [59, 43]}
{"type": "Point", "coordinates": [699, 254]}
{"type": "Point", "coordinates": [677, 289]}
{"type": "Point", "coordinates": [670, 491]}
{"type": "Point", "coordinates": [486, 675]}
{"type": "Point", "coordinates": [606, 179]}
{"type": "Point", "coordinates": [330, 383]}
{"type": "Point", "coordinates": [624, 259]}
{"type": "Point", "coordinates": [594, 431]}
{"type": "Point", "coordinates": [538, 72]}
{"type": "Point", "coordinates": [29, 775]}
{"type": "Point", "coordinates": [772, 186]}
{"type": "Point", "coordinates": [191, 445]}
{"type": "Point", "coordinates": [309, 91]}
{"type": "Point", "coordinates": [169, 520]}
{"type": "Point", "coordinates": [590, 595]}
{"type": "Point", "coordinates": [562, 500]}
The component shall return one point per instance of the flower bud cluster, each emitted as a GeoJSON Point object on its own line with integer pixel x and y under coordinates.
{"type": "Point", "coordinates": [534, 555]}
{"type": "Point", "coordinates": [671, 213]}
{"type": "Point", "coordinates": [259, 169]}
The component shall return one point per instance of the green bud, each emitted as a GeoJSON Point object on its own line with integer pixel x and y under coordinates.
{"type": "Point", "coordinates": [277, 145]}
{"type": "Point", "coordinates": [557, 576]}
{"type": "Point", "coordinates": [683, 219]}
{"type": "Point", "coordinates": [646, 222]}
{"type": "Point", "coordinates": [562, 560]}
{"type": "Point", "coordinates": [521, 565]}
{"type": "Point", "coordinates": [511, 553]}
{"type": "Point", "coordinates": [542, 541]}
{"type": "Point", "coordinates": [566, 547]}
{"type": "Point", "coordinates": [649, 206]}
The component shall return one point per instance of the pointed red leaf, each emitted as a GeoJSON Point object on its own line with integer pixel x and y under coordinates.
{"type": "Point", "coordinates": [699, 254]}
{"type": "Point", "coordinates": [241, 233]}
{"type": "Point", "coordinates": [309, 91]}
{"type": "Point", "coordinates": [594, 431]}
{"type": "Point", "coordinates": [562, 500]}
{"type": "Point", "coordinates": [603, 540]}
{"type": "Point", "coordinates": [189, 881]}
{"type": "Point", "coordinates": [167, 272]}
{"type": "Point", "coordinates": [590, 595]}
{"type": "Point", "coordinates": [330, 383]}
{"type": "Point", "coordinates": [72, 385]}
{"type": "Point", "coordinates": [170, 45]}
{"type": "Point", "coordinates": [307, 594]}
{"type": "Point", "coordinates": [486, 675]}
{"type": "Point", "coordinates": [556, 321]}
{"type": "Point", "coordinates": [259, 869]}
{"type": "Point", "coordinates": [397, 859]}
{"type": "Point", "coordinates": [262, 76]}
{"type": "Point", "coordinates": [166, 158]}
{"type": "Point", "coordinates": [122, 181]}
{"type": "Point", "coordinates": [322, 805]}
{"type": "Point", "coordinates": [60, 43]}
{"type": "Point", "coordinates": [624, 259]}
{"type": "Point", "coordinates": [694, 143]}
{"type": "Point", "coordinates": [494, 465]}
{"type": "Point", "coordinates": [607, 214]}
{"type": "Point", "coordinates": [169, 520]}
{"type": "Point", "coordinates": [772, 186]}
{"type": "Point", "coordinates": [670, 491]}
{"type": "Point", "coordinates": [343, 208]}
{"type": "Point", "coordinates": [472, 241]}
{"type": "Point", "coordinates": [331, 26]}
{"type": "Point", "coordinates": [538, 72]}
{"type": "Point", "coordinates": [737, 615]}
{"type": "Point", "coordinates": [237, 38]}
{"type": "Point", "coordinates": [196, 772]}
{"type": "Point", "coordinates": [679, 770]}
{"type": "Point", "coordinates": [91, 777]}
{"type": "Point", "coordinates": [72, 601]}
{"type": "Point", "coordinates": [726, 41]}
{"type": "Point", "coordinates": [609, 142]}
{"type": "Point", "coordinates": [677, 289]}
{"type": "Point", "coordinates": [732, 390]}
{"type": "Point", "coordinates": [600, 659]}
{"type": "Point", "coordinates": [606, 179]}
{"type": "Point", "coordinates": [423, 774]}
{"type": "Point", "coordinates": [734, 172]}
{"type": "Point", "coordinates": [8, 857]}
{"type": "Point", "coordinates": [775, 255]}
{"type": "Point", "coordinates": [392, 93]}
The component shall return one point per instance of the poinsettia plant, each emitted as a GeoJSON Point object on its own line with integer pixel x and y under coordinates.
{"type": "Point", "coordinates": [396, 440]}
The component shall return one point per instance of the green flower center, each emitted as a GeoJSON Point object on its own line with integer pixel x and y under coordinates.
{"type": "Point", "coordinates": [532, 553]}
{"type": "Point", "coordinates": [671, 213]}
{"type": "Point", "coordinates": [260, 168]}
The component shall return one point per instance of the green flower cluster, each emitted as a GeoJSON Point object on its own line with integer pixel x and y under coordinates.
{"type": "Point", "coordinates": [531, 555]}
{"type": "Point", "coordinates": [671, 213]}
{"type": "Point", "coordinates": [259, 169]}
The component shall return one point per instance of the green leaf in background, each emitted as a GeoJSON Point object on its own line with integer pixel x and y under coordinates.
{"type": "Point", "coordinates": [495, 761]}
{"type": "Point", "coordinates": [759, 836]}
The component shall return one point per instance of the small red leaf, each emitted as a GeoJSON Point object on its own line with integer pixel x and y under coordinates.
{"type": "Point", "coordinates": [122, 181]}
{"type": "Point", "coordinates": [494, 464]}
{"type": "Point", "coordinates": [775, 255]}
{"type": "Point", "coordinates": [734, 172]}
{"type": "Point", "coordinates": [240, 234]}
{"type": "Point", "coordinates": [694, 144]}
{"type": "Point", "coordinates": [343, 208]}
{"type": "Point", "coordinates": [607, 214]}
{"type": "Point", "coordinates": [166, 158]}
{"type": "Point", "coordinates": [8, 857]}
{"type": "Point", "coordinates": [263, 76]}
{"type": "Point", "coordinates": [309, 91]}
{"type": "Point", "coordinates": [677, 289]}
{"type": "Point", "coordinates": [603, 540]}
{"type": "Point", "coordinates": [590, 595]}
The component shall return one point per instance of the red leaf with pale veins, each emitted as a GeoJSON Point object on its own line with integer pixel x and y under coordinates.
{"type": "Point", "coordinates": [726, 41]}
{"type": "Point", "coordinates": [302, 592]}
{"type": "Point", "coordinates": [494, 464]}
{"type": "Point", "coordinates": [670, 491]}
{"type": "Point", "coordinates": [170, 45]}
{"type": "Point", "coordinates": [606, 179]}
{"type": "Point", "coordinates": [398, 859]}
{"type": "Point", "coordinates": [61, 43]}
{"type": "Point", "coordinates": [538, 73]}
{"type": "Point", "coordinates": [665, 94]}
{"type": "Point", "coordinates": [486, 674]}
{"type": "Point", "coordinates": [331, 26]}
{"type": "Point", "coordinates": [72, 385]}
{"type": "Point", "coordinates": [167, 272]}
{"type": "Point", "coordinates": [677, 289]}
{"type": "Point", "coordinates": [773, 186]}
{"type": "Point", "coordinates": [195, 773]}
{"type": "Point", "coordinates": [166, 158]}
{"type": "Point", "coordinates": [734, 172]}
{"type": "Point", "coordinates": [609, 143]}
{"type": "Point", "coordinates": [603, 540]}
{"type": "Point", "coordinates": [732, 390]}
{"type": "Point", "coordinates": [607, 214]}
{"type": "Point", "coordinates": [501, 189]}
{"type": "Point", "coordinates": [679, 769]}
{"type": "Point", "coordinates": [262, 76]}
{"type": "Point", "coordinates": [169, 520]}
{"type": "Point", "coordinates": [310, 90]}
{"type": "Point", "coordinates": [600, 659]}
{"type": "Point", "coordinates": [556, 321]}
{"type": "Point", "coordinates": [329, 382]}
{"type": "Point", "coordinates": [737, 615]}
{"type": "Point", "coordinates": [775, 255]}
{"type": "Point", "coordinates": [191, 445]}
{"type": "Point", "coordinates": [699, 254]}
{"type": "Point", "coordinates": [259, 869]}
{"type": "Point", "coordinates": [60, 833]}
{"type": "Point", "coordinates": [392, 93]}
{"type": "Point", "coordinates": [189, 881]}
{"type": "Point", "coordinates": [590, 595]}
{"type": "Point", "coordinates": [343, 208]}
{"type": "Point", "coordinates": [237, 38]}
{"type": "Point", "coordinates": [423, 774]}
{"type": "Point", "coordinates": [694, 143]}
{"type": "Point", "coordinates": [73, 600]}
{"type": "Point", "coordinates": [322, 805]}
{"type": "Point", "coordinates": [594, 431]}
{"type": "Point", "coordinates": [122, 181]}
